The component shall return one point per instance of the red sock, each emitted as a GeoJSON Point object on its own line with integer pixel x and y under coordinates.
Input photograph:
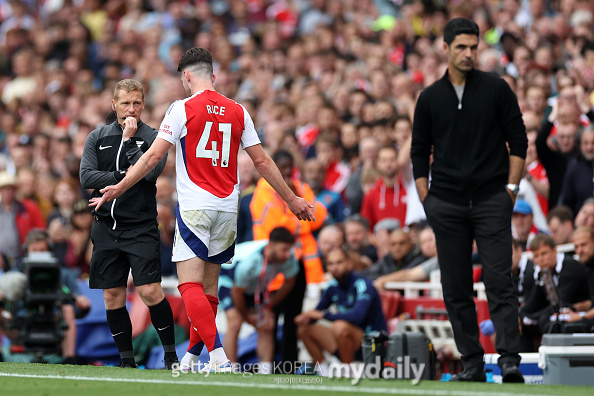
{"type": "Point", "coordinates": [214, 303]}
{"type": "Point", "coordinates": [200, 313]}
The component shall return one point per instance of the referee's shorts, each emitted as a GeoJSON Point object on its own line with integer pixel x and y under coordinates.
{"type": "Point", "coordinates": [116, 252]}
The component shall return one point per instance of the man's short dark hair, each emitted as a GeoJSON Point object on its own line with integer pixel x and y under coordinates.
{"type": "Point", "coordinates": [281, 234]}
{"type": "Point", "coordinates": [36, 235]}
{"type": "Point", "coordinates": [281, 155]}
{"type": "Point", "coordinates": [357, 218]}
{"type": "Point", "coordinates": [199, 59]}
{"type": "Point", "coordinates": [542, 239]}
{"type": "Point", "coordinates": [458, 26]}
{"type": "Point", "coordinates": [562, 212]}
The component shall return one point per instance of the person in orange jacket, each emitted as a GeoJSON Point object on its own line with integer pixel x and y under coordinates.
{"type": "Point", "coordinates": [269, 211]}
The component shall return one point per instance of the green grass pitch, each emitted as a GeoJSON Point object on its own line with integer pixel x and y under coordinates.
{"type": "Point", "coordinates": [32, 379]}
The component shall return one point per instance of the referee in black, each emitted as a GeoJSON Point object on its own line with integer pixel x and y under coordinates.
{"type": "Point", "coordinates": [467, 120]}
{"type": "Point", "coordinates": [125, 234]}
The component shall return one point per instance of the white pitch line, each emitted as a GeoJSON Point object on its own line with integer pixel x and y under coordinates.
{"type": "Point", "coordinates": [312, 387]}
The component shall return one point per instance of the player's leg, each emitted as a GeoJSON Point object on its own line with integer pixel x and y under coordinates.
{"type": "Point", "coordinates": [317, 339]}
{"type": "Point", "coordinates": [348, 338]}
{"type": "Point", "coordinates": [198, 273]}
{"type": "Point", "coordinates": [143, 250]}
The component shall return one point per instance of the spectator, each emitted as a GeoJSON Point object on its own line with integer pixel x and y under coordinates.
{"type": "Point", "coordinates": [560, 222]}
{"type": "Point", "coordinates": [329, 237]}
{"type": "Point", "coordinates": [17, 218]}
{"type": "Point", "coordinates": [359, 311]}
{"type": "Point", "coordinates": [388, 196]}
{"type": "Point", "coordinates": [356, 235]}
{"type": "Point", "coordinates": [585, 216]}
{"type": "Point", "coordinates": [270, 211]}
{"type": "Point", "coordinates": [427, 262]}
{"type": "Point", "coordinates": [402, 254]}
{"type": "Point", "coordinates": [578, 182]}
{"type": "Point", "coordinates": [534, 186]}
{"type": "Point", "coordinates": [569, 279]}
{"type": "Point", "coordinates": [368, 148]}
{"type": "Point", "coordinates": [583, 240]}
{"type": "Point", "coordinates": [555, 153]}
{"type": "Point", "coordinates": [523, 227]}
{"type": "Point", "coordinates": [381, 235]}
{"type": "Point", "coordinates": [337, 173]}
{"type": "Point", "coordinates": [313, 175]}
{"type": "Point", "coordinates": [65, 194]}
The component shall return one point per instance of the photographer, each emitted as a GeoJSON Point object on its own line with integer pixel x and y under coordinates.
{"type": "Point", "coordinates": [73, 304]}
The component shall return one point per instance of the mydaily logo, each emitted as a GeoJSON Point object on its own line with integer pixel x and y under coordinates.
{"type": "Point", "coordinates": [402, 369]}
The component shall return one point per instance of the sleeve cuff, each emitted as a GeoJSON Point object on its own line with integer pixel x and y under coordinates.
{"type": "Point", "coordinates": [119, 175]}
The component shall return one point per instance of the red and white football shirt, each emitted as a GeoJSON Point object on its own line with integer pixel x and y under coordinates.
{"type": "Point", "coordinates": [208, 129]}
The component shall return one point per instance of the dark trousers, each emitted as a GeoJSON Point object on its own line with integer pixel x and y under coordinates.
{"type": "Point", "coordinates": [455, 227]}
{"type": "Point", "coordinates": [290, 308]}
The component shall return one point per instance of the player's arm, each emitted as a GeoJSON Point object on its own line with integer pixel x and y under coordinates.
{"type": "Point", "coordinates": [133, 153]}
{"type": "Point", "coordinates": [267, 168]}
{"type": "Point", "coordinates": [147, 162]}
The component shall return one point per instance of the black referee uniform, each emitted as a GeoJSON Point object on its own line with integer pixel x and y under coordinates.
{"type": "Point", "coordinates": [125, 233]}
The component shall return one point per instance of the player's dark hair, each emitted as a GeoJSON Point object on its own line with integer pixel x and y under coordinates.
{"type": "Point", "coordinates": [199, 59]}
{"type": "Point", "coordinates": [281, 234]}
{"type": "Point", "coordinates": [458, 26]}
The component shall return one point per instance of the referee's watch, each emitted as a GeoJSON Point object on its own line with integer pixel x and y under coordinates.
{"type": "Point", "coordinates": [514, 188]}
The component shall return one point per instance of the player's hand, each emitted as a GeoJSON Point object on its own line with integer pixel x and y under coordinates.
{"type": "Point", "coordinates": [302, 209]}
{"type": "Point", "coordinates": [130, 127]}
{"type": "Point", "coordinates": [109, 194]}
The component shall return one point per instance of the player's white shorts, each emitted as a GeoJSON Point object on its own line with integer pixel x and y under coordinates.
{"type": "Point", "coordinates": [207, 234]}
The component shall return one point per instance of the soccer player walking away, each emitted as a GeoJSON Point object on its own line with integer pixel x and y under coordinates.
{"type": "Point", "coordinates": [207, 129]}
{"type": "Point", "coordinates": [125, 234]}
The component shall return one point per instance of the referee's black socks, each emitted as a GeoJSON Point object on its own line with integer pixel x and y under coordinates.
{"type": "Point", "coordinates": [162, 318]}
{"type": "Point", "coordinates": [121, 331]}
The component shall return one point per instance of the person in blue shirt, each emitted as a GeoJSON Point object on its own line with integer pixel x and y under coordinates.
{"type": "Point", "coordinates": [313, 174]}
{"type": "Point", "coordinates": [252, 299]}
{"type": "Point", "coordinates": [357, 311]}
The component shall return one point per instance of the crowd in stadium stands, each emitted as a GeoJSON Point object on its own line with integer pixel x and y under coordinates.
{"type": "Point", "coordinates": [331, 86]}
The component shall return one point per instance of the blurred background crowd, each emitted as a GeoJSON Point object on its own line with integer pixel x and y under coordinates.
{"type": "Point", "coordinates": [331, 86]}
